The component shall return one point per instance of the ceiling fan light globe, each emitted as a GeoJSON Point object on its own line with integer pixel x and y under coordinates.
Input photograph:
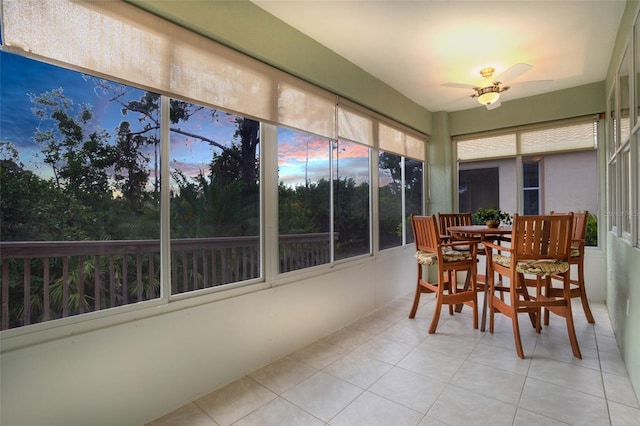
{"type": "Point", "coordinates": [488, 98]}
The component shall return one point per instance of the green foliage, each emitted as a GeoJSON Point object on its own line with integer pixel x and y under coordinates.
{"type": "Point", "coordinates": [483, 215]}
{"type": "Point", "coordinates": [591, 237]}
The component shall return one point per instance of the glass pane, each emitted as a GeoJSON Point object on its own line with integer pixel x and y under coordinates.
{"type": "Point", "coordinates": [624, 95]}
{"type": "Point", "coordinates": [531, 202]}
{"type": "Point", "coordinates": [351, 199]}
{"type": "Point", "coordinates": [303, 199]}
{"type": "Point", "coordinates": [625, 192]}
{"type": "Point", "coordinates": [390, 195]}
{"type": "Point", "coordinates": [478, 188]}
{"type": "Point", "coordinates": [414, 178]}
{"type": "Point", "coordinates": [215, 195]}
{"type": "Point", "coordinates": [530, 175]}
{"type": "Point", "coordinates": [79, 175]}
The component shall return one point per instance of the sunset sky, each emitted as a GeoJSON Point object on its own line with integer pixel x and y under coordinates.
{"type": "Point", "coordinates": [300, 153]}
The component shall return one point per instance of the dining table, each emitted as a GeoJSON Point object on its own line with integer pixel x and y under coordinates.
{"type": "Point", "coordinates": [482, 233]}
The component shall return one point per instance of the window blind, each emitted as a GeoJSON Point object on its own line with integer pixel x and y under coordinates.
{"type": "Point", "coordinates": [568, 135]}
{"type": "Point", "coordinates": [354, 126]}
{"type": "Point", "coordinates": [138, 48]}
{"type": "Point", "coordinates": [563, 138]}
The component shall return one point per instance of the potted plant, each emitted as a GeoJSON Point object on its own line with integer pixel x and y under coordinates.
{"type": "Point", "coordinates": [491, 217]}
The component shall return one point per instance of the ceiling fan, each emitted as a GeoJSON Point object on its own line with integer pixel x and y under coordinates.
{"type": "Point", "coordinates": [488, 92]}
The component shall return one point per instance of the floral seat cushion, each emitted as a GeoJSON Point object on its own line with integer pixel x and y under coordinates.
{"type": "Point", "coordinates": [543, 267]}
{"type": "Point", "coordinates": [426, 258]}
{"type": "Point", "coordinates": [467, 247]}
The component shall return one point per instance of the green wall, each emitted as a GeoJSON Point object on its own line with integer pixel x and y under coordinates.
{"type": "Point", "coordinates": [623, 261]}
{"type": "Point", "coordinates": [245, 27]}
{"type": "Point", "coordinates": [248, 29]}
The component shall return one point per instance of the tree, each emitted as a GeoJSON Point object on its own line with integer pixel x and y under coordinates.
{"type": "Point", "coordinates": [80, 158]}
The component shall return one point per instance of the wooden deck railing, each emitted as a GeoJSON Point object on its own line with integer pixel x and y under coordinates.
{"type": "Point", "coordinates": [42, 280]}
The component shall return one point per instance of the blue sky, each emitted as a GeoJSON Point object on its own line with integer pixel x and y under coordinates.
{"type": "Point", "coordinates": [20, 76]}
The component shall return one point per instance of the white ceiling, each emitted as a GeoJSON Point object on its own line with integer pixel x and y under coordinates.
{"type": "Point", "coordinates": [416, 46]}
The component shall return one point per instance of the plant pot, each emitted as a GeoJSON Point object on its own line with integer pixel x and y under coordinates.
{"type": "Point", "coordinates": [493, 223]}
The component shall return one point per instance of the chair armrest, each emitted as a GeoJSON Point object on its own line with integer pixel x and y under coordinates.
{"type": "Point", "coordinates": [497, 246]}
{"type": "Point", "coordinates": [459, 243]}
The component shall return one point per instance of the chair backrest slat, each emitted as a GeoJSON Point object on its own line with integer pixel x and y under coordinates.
{"type": "Point", "coordinates": [542, 237]}
{"type": "Point", "coordinates": [445, 220]}
{"type": "Point", "coordinates": [579, 231]}
{"type": "Point", "coordinates": [425, 233]}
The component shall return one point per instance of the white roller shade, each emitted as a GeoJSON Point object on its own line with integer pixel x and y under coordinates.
{"type": "Point", "coordinates": [354, 126]}
{"type": "Point", "coordinates": [135, 47]}
{"type": "Point", "coordinates": [488, 147]}
{"type": "Point", "coordinates": [390, 139]}
{"type": "Point", "coordinates": [415, 148]}
{"type": "Point", "coordinates": [563, 138]}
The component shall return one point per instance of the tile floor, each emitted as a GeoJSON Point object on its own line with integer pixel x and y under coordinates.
{"type": "Point", "coordinates": [386, 370]}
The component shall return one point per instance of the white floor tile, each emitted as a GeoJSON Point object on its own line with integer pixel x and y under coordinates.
{"type": "Point", "coordinates": [357, 369]}
{"type": "Point", "coordinates": [279, 412]}
{"type": "Point", "coordinates": [623, 415]}
{"type": "Point", "coordinates": [457, 406]}
{"type": "Point", "coordinates": [432, 364]}
{"type": "Point", "coordinates": [619, 389]}
{"type": "Point", "coordinates": [529, 418]}
{"type": "Point", "coordinates": [283, 374]}
{"type": "Point", "coordinates": [408, 389]}
{"type": "Point", "coordinates": [385, 369]}
{"type": "Point", "coordinates": [563, 404]}
{"type": "Point", "coordinates": [323, 395]}
{"type": "Point", "coordinates": [567, 375]}
{"type": "Point", "coordinates": [372, 410]}
{"type": "Point", "coordinates": [385, 350]}
{"type": "Point", "coordinates": [235, 401]}
{"type": "Point", "coordinates": [189, 414]}
{"type": "Point", "coordinates": [319, 354]}
{"type": "Point", "coordinates": [500, 384]}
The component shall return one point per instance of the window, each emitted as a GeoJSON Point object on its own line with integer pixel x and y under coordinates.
{"type": "Point", "coordinates": [390, 195]}
{"type": "Point", "coordinates": [623, 177]}
{"type": "Point", "coordinates": [491, 175]}
{"type": "Point", "coordinates": [80, 181]}
{"type": "Point", "coordinates": [130, 198]}
{"type": "Point", "coordinates": [304, 199]}
{"type": "Point", "coordinates": [215, 198]}
{"type": "Point", "coordinates": [351, 201]}
{"type": "Point", "coordinates": [413, 187]}
{"type": "Point", "coordinates": [531, 187]}
{"type": "Point", "coordinates": [478, 188]}
{"type": "Point", "coordinates": [400, 182]}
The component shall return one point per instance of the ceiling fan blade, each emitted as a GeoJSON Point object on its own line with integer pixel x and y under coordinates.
{"type": "Point", "coordinates": [459, 85]}
{"type": "Point", "coordinates": [512, 73]}
{"type": "Point", "coordinates": [494, 105]}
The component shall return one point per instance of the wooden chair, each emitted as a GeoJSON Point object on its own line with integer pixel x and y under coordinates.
{"type": "Point", "coordinates": [540, 246]}
{"type": "Point", "coordinates": [578, 288]}
{"type": "Point", "coordinates": [446, 220]}
{"type": "Point", "coordinates": [432, 251]}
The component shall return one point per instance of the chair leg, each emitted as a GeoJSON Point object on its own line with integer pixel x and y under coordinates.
{"type": "Point", "coordinates": [583, 295]}
{"type": "Point", "coordinates": [573, 339]}
{"type": "Point", "coordinates": [516, 334]}
{"type": "Point", "coordinates": [485, 302]}
{"type": "Point", "coordinates": [416, 298]}
{"type": "Point", "coordinates": [585, 307]}
{"type": "Point", "coordinates": [436, 314]}
{"type": "Point", "coordinates": [475, 312]}
{"type": "Point", "coordinates": [547, 292]}
{"type": "Point", "coordinates": [453, 285]}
